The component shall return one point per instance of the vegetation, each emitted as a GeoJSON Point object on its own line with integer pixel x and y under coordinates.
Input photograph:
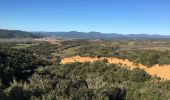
{"type": "Point", "coordinates": [34, 73]}
{"type": "Point", "coordinates": [17, 34]}
{"type": "Point", "coordinates": [18, 64]}
{"type": "Point", "coordinates": [148, 57]}
{"type": "Point", "coordinates": [43, 50]}
{"type": "Point", "coordinates": [91, 81]}
{"type": "Point", "coordinates": [98, 51]}
{"type": "Point", "coordinates": [145, 57]}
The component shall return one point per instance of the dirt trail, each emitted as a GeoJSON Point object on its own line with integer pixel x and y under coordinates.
{"type": "Point", "coordinates": [160, 71]}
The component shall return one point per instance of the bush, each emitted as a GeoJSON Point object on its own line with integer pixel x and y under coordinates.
{"type": "Point", "coordinates": [139, 75]}
{"type": "Point", "coordinates": [114, 94]}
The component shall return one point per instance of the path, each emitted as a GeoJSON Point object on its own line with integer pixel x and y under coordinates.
{"type": "Point", "coordinates": [160, 71]}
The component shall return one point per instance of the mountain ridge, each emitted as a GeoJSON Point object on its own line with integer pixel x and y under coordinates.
{"type": "Point", "coordinates": [5, 34]}
{"type": "Point", "coordinates": [99, 35]}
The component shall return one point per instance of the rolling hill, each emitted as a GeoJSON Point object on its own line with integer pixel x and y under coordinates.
{"type": "Point", "coordinates": [98, 35]}
{"type": "Point", "coordinates": [77, 35]}
{"type": "Point", "coordinates": [17, 34]}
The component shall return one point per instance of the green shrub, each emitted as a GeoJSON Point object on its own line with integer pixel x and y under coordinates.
{"type": "Point", "coordinates": [139, 75]}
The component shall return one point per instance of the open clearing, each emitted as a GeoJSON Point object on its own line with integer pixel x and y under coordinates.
{"type": "Point", "coordinates": [162, 71]}
{"type": "Point", "coordinates": [22, 46]}
{"type": "Point", "coordinates": [71, 51]}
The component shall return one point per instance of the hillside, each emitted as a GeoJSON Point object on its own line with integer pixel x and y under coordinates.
{"type": "Point", "coordinates": [84, 70]}
{"type": "Point", "coordinates": [17, 34]}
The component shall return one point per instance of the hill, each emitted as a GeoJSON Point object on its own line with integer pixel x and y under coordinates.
{"type": "Point", "coordinates": [77, 35]}
{"type": "Point", "coordinates": [98, 35]}
{"type": "Point", "coordinates": [17, 34]}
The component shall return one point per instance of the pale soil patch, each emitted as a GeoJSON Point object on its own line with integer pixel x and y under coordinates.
{"type": "Point", "coordinates": [22, 46]}
{"type": "Point", "coordinates": [160, 71]}
{"type": "Point", "coordinates": [50, 40]}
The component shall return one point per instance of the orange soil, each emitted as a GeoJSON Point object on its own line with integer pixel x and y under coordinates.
{"type": "Point", "coordinates": [160, 71]}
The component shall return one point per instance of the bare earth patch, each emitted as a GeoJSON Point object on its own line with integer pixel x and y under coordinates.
{"type": "Point", "coordinates": [160, 71]}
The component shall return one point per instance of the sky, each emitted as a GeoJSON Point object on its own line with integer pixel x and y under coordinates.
{"type": "Point", "coordinates": [107, 16]}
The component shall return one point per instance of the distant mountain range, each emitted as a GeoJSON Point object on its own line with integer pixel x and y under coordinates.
{"type": "Point", "coordinates": [98, 35]}
{"type": "Point", "coordinates": [76, 35]}
{"type": "Point", "coordinates": [17, 34]}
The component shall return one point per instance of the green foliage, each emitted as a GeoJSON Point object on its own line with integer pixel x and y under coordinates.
{"type": "Point", "coordinates": [139, 75]}
{"type": "Point", "coordinates": [114, 94]}
{"type": "Point", "coordinates": [147, 57]}
{"type": "Point", "coordinates": [19, 64]}
{"type": "Point", "coordinates": [97, 51]}
{"type": "Point", "coordinates": [57, 59]}
{"type": "Point", "coordinates": [43, 50]}
{"type": "Point", "coordinates": [105, 49]}
{"type": "Point", "coordinates": [88, 81]}
{"type": "Point", "coordinates": [17, 91]}
{"type": "Point", "coordinates": [72, 43]}
{"type": "Point", "coordinates": [37, 79]}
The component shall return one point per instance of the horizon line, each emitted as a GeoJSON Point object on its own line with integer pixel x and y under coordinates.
{"type": "Point", "coordinates": [87, 32]}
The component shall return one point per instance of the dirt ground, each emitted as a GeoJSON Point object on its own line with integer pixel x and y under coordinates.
{"type": "Point", "coordinates": [156, 70]}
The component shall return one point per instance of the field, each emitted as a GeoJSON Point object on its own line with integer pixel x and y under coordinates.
{"type": "Point", "coordinates": [85, 69]}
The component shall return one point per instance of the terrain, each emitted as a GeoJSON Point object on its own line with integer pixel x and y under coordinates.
{"type": "Point", "coordinates": [51, 68]}
{"type": "Point", "coordinates": [99, 35]}
{"type": "Point", "coordinates": [6, 34]}
{"type": "Point", "coordinates": [161, 71]}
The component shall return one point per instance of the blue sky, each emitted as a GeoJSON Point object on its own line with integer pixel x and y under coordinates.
{"type": "Point", "coordinates": [108, 16]}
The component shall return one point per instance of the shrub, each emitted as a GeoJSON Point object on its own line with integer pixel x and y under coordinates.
{"type": "Point", "coordinates": [139, 75]}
